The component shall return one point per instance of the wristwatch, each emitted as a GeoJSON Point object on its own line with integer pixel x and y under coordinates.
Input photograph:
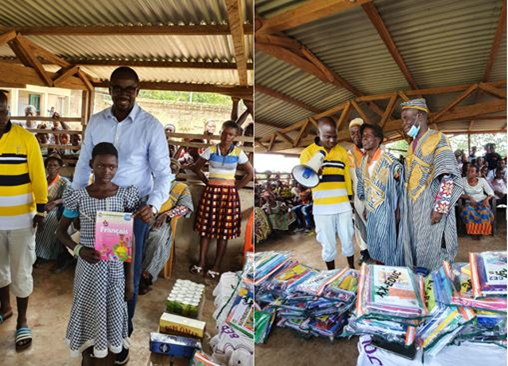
{"type": "Point", "coordinates": [154, 210]}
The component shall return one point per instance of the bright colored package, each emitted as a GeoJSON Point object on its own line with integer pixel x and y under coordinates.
{"type": "Point", "coordinates": [386, 292]}
{"type": "Point", "coordinates": [113, 235]}
{"type": "Point", "coordinates": [173, 346]}
{"type": "Point", "coordinates": [241, 315]}
{"type": "Point", "coordinates": [488, 274]}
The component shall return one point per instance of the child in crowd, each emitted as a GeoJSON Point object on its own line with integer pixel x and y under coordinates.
{"type": "Point", "coordinates": [219, 214]}
{"type": "Point", "coordinates": [98, 321]}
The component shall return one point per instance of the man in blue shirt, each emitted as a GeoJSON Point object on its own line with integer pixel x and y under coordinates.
{"type": "Point", "coordinates": [143, 160]}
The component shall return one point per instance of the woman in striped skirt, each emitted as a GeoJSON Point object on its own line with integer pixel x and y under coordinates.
{"type": "Point", "coordinates": [219, 214]}
{"type": "Point", "coordinates": [47, 246]}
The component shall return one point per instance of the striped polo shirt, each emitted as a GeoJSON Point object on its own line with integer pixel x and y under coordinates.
{"type": "Point", "coordinates": [22, 178]}
{"type": "Point", "coordinates": [330, 196]}
{"type": "Point", "coordinates": [223, 167]}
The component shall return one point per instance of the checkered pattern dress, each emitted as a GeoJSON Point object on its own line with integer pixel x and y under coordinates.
{"type": "Point", "coordinates": [99, 312]}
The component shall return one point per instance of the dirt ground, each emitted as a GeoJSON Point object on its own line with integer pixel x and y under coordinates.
{"type": "Point", "coordinates": [49, 309]}
{"type": "Point", "coordinates": [286, 347]}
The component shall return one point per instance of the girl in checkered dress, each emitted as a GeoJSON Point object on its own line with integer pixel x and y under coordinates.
{"type": "Point", "coordinates": [219, 214]}
{"type": "Point", "coordinates": [98, 321]}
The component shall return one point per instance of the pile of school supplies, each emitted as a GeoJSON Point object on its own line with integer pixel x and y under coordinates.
{"type": "Point", "coordinates": [459, 304]}
{"type": "Point", "coordinates": [234, 317]}
{"type": "Point", "coordinates": [293, 295]}
{"type": "Point", "coordinates": [180, 332]}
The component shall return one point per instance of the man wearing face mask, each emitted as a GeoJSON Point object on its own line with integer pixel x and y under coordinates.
{"type": "Point", "coordinates": [355, 158]}
{"type": "Point", "coordinates": [381, 187]}
{"type": "Point", "coordinates": [332, 210]}
{"type": "Point", "coordinates": [433, 187]}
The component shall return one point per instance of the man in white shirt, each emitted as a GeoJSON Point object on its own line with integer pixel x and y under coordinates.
{"type": "Point", "coordinates": [143, 160]}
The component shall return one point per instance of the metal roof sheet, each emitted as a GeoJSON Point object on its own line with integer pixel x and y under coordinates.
{"type": "Point", "coordinates": [443, 43]}
{"type": "Point", "coordinates": [210, 48]}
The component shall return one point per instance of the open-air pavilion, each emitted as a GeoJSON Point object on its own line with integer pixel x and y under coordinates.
{"type": "Point", "coordinates": [198, 46]}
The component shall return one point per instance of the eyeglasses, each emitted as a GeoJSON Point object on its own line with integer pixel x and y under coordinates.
{"type": "Point", "coordinates": [116, 89]}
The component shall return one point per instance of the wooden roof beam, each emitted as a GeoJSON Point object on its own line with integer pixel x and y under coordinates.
{"type": "Point", "coordinates": [455, 102]}
{"type": "Point", "coordinates": [498, 37]}
{"type": "Point", "coordinates": [370, 9]}
{"type": "Point", "coordinates": [17, 74]}
{"type": "Point", "coordinates": [308, 12]}
{"type": "Point", "coordinates": [285, 98]}
{"type": "Point", "coordinates": [389, 109]}
{"type": "Point", "coordinates": [64, 73]}
{"type": "Point", "coordinates": [130, 30]}
{"type": "Point", "coordinates": [236, 25]}
{"type": "Point", "coordinates": [493, 91]}
{"type": "Point", "coordinates": [221, 65]}
{"type": "Point", "coordinates": [7, 37]}
{"type": "Point", "coordinates": [243, 92]}
{"type": "Point", "coordinates": [27, 55]}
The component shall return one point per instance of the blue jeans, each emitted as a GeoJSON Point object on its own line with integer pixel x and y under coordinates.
{"type": "Point", "coordinates": [305, 211]}
{"type": "Point", "coordinates": [140, 234]}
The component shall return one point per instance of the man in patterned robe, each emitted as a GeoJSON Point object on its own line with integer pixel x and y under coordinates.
{"type": "Point", "coordinates": [433, 187]}
{"type": "Point", "coordinates": [381, 187]}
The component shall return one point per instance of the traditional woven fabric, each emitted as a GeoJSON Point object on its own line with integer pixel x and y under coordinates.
{"type": "Point", "coordinates": [46, 243]}
{"type": "Point", "coordinates": [157, 246]}
{"type": "Point", "coordinates": [219, 214]}
{"type": "Point", "coordinates": [382, 192]}
{"type": "Point", "coordinates": [427, 245]}
{"type": "Point", "coordinates": [478, 219]}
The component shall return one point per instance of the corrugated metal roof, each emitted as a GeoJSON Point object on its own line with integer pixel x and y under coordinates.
{"type": "Point", "coordinates": [125, 12]}
{"type": "Point", "coordinates": [210, 48]}
{"type": "Point", "coordinates": [443, 43]}
{"type": "Point", "coordinates": [350, 46]}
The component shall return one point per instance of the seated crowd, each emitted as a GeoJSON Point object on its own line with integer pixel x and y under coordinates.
{"type": "Point", "coordinates": [282, 207]}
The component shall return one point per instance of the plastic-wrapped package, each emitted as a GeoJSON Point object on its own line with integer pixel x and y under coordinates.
{"type": "Point", "coordinates": [444, 320]}
{"type": "Point", "coordinates": [488, 274]}
{"type": "Point", "coordinates": [343, 288]}
{"type": "Point", "coordinates": [202, 359]}
{"type": "Point", "coordinates": [316, 284]}
{"type": "Point", "coordinates": [292, 275]}
{"type": "Point", "coordinates": [263, 321]}
{"type": "Point", "coordinates": [394, 293]}
{"type": "Point", "coordinates": [267, 264]}
{"type": "Point", "coordinates": [462, 294]}
{"type": "Point", "coordinates": [389, 330]}
{"type": "Point", "coordinates": [241, 315]}
{"type": "Point", "coordinates": [229, 345]}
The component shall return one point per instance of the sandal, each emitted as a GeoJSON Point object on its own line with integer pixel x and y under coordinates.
{"type": "Point", "coordinates": [212, 274]}
{"type": "Point", "coordinates": [196, 270]}
{"type": "Point", "coordinates": [5, 317]}
{"type": "Point", "coordinates": [23, 338]}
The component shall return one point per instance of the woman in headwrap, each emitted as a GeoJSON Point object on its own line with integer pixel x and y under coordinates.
{"type": "Point", "coordinates": [47, 246]}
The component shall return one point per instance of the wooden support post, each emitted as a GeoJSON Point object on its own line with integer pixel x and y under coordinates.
{"type": "Point", "coordinates": [300, 134]}
{"type": "Point", "coordinates": [344, 115]}
{"type": "Point", "coordinates": [84, 111]}
{"type": "Point", "coordinates": [360, 111]}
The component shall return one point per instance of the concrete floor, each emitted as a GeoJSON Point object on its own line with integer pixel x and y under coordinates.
{"type": "Point", "coordinates": [50, 304]}
{"type": "Point", "coordinates": [286, 347]}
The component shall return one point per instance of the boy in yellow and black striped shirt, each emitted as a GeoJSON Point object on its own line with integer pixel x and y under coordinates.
{"type": "Point", "coordinates": [23, 196]}
{"type": "Point", "coordinates": [332, 210]}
